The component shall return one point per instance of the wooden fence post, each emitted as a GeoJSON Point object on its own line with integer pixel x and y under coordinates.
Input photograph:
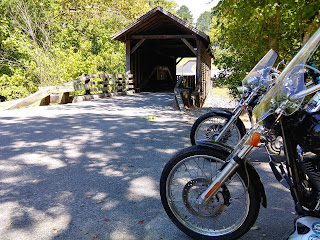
{"type": "Point", "coordinates": [87, 90]}
{"type": "Point", "coordinates": [105, 85]}
{"type": "Point", "coordinates": [126, 82]}
{"type": "Point", "coordinates": [119, 85]}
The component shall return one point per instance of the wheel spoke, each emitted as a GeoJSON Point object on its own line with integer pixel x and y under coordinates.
{"type": "Point", "coordinates": [194, 175]}
{"type": "Point", "coordinates": [229, 213]}
{"type": "Point", "coordinates": [209, 127]}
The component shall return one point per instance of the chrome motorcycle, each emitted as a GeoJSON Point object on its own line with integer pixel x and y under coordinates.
{"type": "Point", "coordinates": [224, 126]}
{"type": "Point", "coordinates": [211, 191]}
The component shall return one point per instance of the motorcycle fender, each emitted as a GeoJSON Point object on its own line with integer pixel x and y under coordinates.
{"type": "Point", "coordinates": [222, 112]}
{"type": "Point", "coordinates": [256, 181]}
{"type": "Point", "coordinates": [213, 144]}
{"type": "Point", "coordinates": [254, 176]}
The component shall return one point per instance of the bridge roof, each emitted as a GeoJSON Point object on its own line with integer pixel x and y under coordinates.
{"type": "Point", "coordinates": [159, 24]}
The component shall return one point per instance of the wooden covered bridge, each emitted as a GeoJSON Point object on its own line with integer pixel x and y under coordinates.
{"type": "Point", "coordinates": [155, 44]}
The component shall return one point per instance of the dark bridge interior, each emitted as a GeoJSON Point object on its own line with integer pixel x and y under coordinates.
{"type": "Point", "coordinates": [155, 42]}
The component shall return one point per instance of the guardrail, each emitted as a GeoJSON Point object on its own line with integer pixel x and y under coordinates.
{"type": "Point", "coordinates": [81, 89]}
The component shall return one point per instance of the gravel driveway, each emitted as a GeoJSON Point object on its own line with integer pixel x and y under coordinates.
{"type": "Point", "coordinates": [91, 171]}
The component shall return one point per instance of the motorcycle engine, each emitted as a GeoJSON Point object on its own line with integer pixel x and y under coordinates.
{"type": "Point", "coordinates": [311, 167]}
{"type": "Point", "coordinates": [312, 138]}
{"type": "Point", "coordinates": [309, 132]}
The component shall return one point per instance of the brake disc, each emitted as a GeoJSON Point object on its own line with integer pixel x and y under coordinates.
{"type": "Point", "coordinates": [214, 130]}
{"type": "Point", "coordinates": [214, 207]}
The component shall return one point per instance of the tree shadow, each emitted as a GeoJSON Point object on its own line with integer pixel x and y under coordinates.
{"type": "Point", "coordinates": [73, 171]}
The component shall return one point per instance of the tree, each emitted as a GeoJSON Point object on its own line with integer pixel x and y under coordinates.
{"type": "Point", "coordinates": [185, 14]}
{"type": "Point", "coordinates": [242, 33]}
{"type": "Point", "coordinates": [56, 41]}
{"type": "Point", "coordinates": [34, 31]}
{"type": "Point", "coordinates": [168, 5]}
{"type": "Point", "coordinates": [204, 21]}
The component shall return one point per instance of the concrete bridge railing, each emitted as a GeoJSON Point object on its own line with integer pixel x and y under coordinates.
{"type": "Point", "coordinates": [81, 89]}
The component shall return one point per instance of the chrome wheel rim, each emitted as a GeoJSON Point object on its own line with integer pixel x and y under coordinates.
{"type": "Point", "coordinates": [226, 211]}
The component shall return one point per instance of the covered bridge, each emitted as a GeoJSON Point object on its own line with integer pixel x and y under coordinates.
{"type": "Point", "coordinates": [156, 42]}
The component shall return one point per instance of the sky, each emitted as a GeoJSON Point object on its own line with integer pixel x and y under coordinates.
{"type": "Point", "coordinates": [197, 6]}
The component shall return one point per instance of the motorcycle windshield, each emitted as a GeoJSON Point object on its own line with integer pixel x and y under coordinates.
{"type": "Point", "coordinates": [259, 75]}
{"type": "Point", "coordinates": [281, 97]}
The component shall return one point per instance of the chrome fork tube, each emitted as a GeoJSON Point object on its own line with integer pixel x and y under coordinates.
{"type": "Point", "coordinates": [236, 113]}
{"type": "Point", "coordinates": [224, 175]}
{"type": "Point", "coordinates": [229, 123]}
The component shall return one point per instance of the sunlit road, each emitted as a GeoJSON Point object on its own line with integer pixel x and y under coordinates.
{"type": "Point", "coordinates": [92, 169]}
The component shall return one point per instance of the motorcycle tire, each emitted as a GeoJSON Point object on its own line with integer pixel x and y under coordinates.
{"type": "Point", "coordinates": [228, 215]}
{"type": "Point", "coordinates": [210, 124]}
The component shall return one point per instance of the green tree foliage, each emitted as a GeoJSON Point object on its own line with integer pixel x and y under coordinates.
{"type": "Point", "coordinates": [168, 5]}
{"type": "Point", "coordinates": [204, 21]}
{"type": "Point", "coordinates": [55, 41]}
{"type": "Point", "coordinates": [244, 31]}
{"type": "Point", "coordinates": [185, 14]}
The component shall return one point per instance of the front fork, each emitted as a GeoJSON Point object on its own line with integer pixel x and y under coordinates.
{"type": "Point", "coordinates": [235, 159]}
{"type": "Point", "coordinates": [224, 175]}
{"type": "Point", "coordinates": [236, 113]}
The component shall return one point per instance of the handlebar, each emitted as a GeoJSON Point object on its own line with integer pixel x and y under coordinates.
{"type": "Point", "coordinates": [307, 92]}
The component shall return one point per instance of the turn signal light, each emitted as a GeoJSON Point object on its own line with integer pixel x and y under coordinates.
{"type": "Point", "coordinates": [255, 139]}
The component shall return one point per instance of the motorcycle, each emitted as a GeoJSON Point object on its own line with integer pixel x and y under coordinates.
{"type": "Point", "coordinates": [225, 126]}
{"type": "Point", "coordinates": [211, 191]}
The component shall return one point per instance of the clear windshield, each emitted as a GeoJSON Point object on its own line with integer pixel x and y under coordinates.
{"type": "Point", "coordinates": [259, 75]}
{"type": "Point", "coordinates": [291, 81]}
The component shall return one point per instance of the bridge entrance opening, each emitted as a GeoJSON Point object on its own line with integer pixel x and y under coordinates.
{"type": "Point", "coordinates": [156, 43]}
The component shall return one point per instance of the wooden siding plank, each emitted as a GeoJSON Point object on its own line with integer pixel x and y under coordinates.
{"type": "Point", "coordinates": [198, 67]}
{"type": "Point", "coordinates": [128, 56]}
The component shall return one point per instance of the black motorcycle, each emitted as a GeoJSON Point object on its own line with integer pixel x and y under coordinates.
{"type": "Point", "coordinates": [211, 191]}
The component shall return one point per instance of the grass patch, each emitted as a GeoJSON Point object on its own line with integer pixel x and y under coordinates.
{"type": "Point", "coordinates": [222, 92]}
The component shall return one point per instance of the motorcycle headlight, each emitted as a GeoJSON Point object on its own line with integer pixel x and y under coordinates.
{"type": "Point", "coordinates": [306, 228]}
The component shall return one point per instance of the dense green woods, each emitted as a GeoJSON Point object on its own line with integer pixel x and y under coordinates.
{"type": "Point", "coordinates": [54, 41]}
{"type": "Point", "coordinates": [243, 31]}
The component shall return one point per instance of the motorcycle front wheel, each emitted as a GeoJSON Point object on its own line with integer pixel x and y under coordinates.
{"type": "Point", "coordinates": [209, 125]}
{"type": "Point", "coordinates": [227, 215]}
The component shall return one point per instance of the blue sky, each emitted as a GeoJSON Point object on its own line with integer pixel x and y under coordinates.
{"type": "Point", "coordinates": [197, 6]}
